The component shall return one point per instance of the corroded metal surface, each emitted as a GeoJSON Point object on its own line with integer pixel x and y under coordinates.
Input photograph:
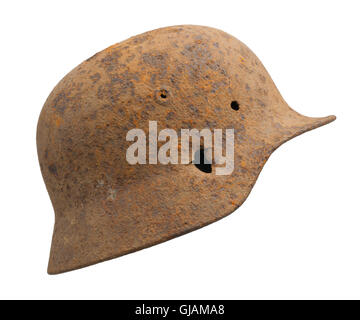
{"type": "Point", "coordinates": [182, 77]}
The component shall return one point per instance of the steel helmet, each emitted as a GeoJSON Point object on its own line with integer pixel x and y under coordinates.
{"type": "Point", "coordinates": [181, 77]}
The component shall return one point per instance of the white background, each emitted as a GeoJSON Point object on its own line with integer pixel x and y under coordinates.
{"type": "Point", "coordinates": [297, 235]}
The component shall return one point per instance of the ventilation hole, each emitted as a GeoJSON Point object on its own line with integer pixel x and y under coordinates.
{"type": "Point", "coordinates": [163, 93]}
{"type": "Point", "coordinates": [200, 161]}
{"type": "Point", "coordinates": [235, 105]}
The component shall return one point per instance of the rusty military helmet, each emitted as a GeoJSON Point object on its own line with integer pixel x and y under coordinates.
{"type": "Point", "coordinates": [182, 77]}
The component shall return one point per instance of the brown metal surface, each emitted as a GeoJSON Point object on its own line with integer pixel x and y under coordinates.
{"type": "Point", "coordinates": [105, 207]}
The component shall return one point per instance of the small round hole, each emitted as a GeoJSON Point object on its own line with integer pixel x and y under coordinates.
{"type": "Point", "coordinates": [163, 94]}
{"type": "Point", "coordinates": [200, 161]}
{"type": "Point", "coordinates": [234, 105]}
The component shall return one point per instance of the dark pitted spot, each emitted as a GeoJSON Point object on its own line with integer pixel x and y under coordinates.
{"type": "Point", "coordinates": [155, 60]}
{"type": "Point", "coordinates": [60, 102]}
{"type": "Point", "coordinates": [95, 77]}
{"type": "Point", "coordinates": [170, 115]}
{"type": "Point", "coordinates": [262, 78]}
{"type": "Point", "coordinates": [261, 103]}
{"type": "Point", "coordinates": [235, 105]}
{"type": "Point", "coordinates": [52, 168]}
{"type": "Point", "coordinates": [194, 109]}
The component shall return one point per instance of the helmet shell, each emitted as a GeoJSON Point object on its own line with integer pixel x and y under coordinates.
{"type": "Point", "coordinates": [106, 207]}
